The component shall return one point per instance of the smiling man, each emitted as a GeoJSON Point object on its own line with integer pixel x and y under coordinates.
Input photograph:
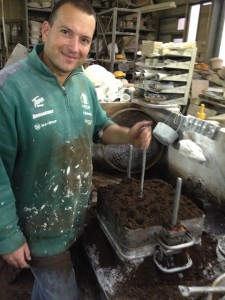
{"type": "Point", "coordinates": [67, 40]}
{"type": "Point", "coordinates": [49, 118]}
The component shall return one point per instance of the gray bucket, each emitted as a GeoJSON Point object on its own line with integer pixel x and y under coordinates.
{"type": "Point", "coordinates": [164, 133]}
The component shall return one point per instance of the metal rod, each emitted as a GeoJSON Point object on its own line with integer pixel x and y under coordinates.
{"type": "Point", "coordinates": [4, 31]}
{"type": "Point", "coordinates": [129, 161]}
{"type": "Point", "coordinates": [143, 173]}
{"type": "Point", "coordinates": [186, 291]}
{"type": "Point", "coordinates": [176, 201]}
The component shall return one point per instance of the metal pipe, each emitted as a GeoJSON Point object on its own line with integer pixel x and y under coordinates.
{"type": "Point", "coordinates": [4, 31]}
{"type": "Point", "coordinates": [129, 161]}
{"type": "Point", "coordinates": [143, 173]}
{"type": "Point", "coordinates": [176, 201]}
{"type": "Point", "coordinates": [186, 291]}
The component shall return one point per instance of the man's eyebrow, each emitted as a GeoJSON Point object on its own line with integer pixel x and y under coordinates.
{"type": "Point", "coordinates": [71, 31]}
{"type": "Point", "coordinates": [87, 37]}
{"type": "Point", "coordinates": [65, 28]}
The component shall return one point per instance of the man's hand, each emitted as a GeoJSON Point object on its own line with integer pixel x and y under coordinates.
{"type": "Point", "coordinates": [18, 258]}
{"type": "Point", "coordinates": [140, 134]}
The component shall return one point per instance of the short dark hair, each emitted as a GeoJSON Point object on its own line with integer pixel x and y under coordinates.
{"type": "Point", "coordinates": [82, 5]}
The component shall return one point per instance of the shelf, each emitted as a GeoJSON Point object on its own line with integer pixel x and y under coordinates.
{"type": "Point", "coordinates": [140, 29]}
{"type": "Point", "coordinates": [157, 7]}
{"type": "Point", "coordinates": [34, 13]}
{"type": "Point", "coordinates": [168, 72]}
{"type": "Point", "coordinates": [39, 9]}
{"type": "Point", "coordinates": [175, 90]}
{"type": "Point", "coordinates": [174, 32]}
{"type": "Point", "coordinates": [118, 33]}
{"type": "Point", "coordinates": [116, 61]}
{"type": "Point", "coordinates": [12, 21]}
{"type": "Point", "coordinates": [179, 66]}
{"type": "Point", "coordinates": [109, 25]}
{"type": "Point", "coordinates": [148, 30]}
{"type": "Point", "coordinates": [176, 52]}
{"type": "Point", "coordinates": [119, 11]}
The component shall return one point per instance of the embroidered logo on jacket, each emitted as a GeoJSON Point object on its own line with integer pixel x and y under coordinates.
{"type": "Point", "coordinates": [84, 99]}
{"type": "Point", "coordinates": [38, 101]}
{"type": "Point", "coordinates": [86, 109]}
{"type": "Point", "coordinates": [42, 114]}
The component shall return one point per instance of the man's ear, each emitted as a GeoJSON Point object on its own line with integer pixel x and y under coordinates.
{"type": "Point", "coordinates": [45, 30]}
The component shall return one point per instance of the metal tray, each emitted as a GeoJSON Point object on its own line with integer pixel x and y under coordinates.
{"type": "Point", "coordinates": [139, 243]}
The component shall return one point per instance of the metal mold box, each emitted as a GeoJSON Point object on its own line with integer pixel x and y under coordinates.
{"type": "Point", "coordinates": [139, 243]}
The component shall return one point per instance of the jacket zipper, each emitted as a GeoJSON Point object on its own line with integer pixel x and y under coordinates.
{"type": "Point", "coordinates": [65, 92]}
{"type": "Point", "coordinates": [66, 96]}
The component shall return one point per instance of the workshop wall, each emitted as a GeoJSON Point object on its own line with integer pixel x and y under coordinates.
{"type": "Point", "coordinates": [13, 10]}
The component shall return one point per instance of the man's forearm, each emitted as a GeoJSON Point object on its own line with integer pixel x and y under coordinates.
{"type": "Point", "coordinates": [138, 135]}
{"type": "Point", "coordinates": [115, 134]}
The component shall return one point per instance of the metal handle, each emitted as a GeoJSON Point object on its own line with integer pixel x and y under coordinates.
{"type": "Point", "coordinates": [189, 243]}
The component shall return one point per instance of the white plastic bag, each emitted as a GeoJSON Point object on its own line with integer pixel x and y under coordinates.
{"type": "Point", "coordinates": [190, 149]}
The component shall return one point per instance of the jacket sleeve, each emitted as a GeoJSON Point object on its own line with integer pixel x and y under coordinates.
{"type": "Point", "coordinates": [100, 119]}
{"type": "Point", "coordinates": [11, 237]}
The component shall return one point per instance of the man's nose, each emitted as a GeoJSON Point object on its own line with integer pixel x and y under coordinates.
{"type": "Point", "coordinates": [74, 44]}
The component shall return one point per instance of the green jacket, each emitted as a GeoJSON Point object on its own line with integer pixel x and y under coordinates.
{"type": "Point", "coordinates": [46, 135]}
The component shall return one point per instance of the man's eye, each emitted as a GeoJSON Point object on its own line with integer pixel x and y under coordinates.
{"type": "Point", "coordinates": [65, 31]}
{"type": "Point", "coordinates": [86, 41]}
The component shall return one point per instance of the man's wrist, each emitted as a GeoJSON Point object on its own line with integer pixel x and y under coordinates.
{"type": "Point", "coordinates": [128, 135]}
{"type": "Point", "coordinates": [100, 133]}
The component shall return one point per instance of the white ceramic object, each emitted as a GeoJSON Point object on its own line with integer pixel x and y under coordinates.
{"type": "Point", "coordinates": [35, 26]}
{"type": "Point", "coordinates": [100, 77]}
{"type": "Point", "coordinates": [125, 98]}
{"type": "Point", "coordinates": [34, 4]}
{"type": "Point", "coordinates": [221, 73]}
{"type": "Point", "coordinates": [46, 4]}
{"type": "Point", "coordinates": [96, 74]}
{"type": "Point", "coordinates": [119, 84]}
{"type": "Point", "coordinates": [124, 81]}
{"type": "Point", "coordinates": [216, 63]}
{"type": "Point", "coordinates": [34, 41]}
{"type": "Point", "coordinates": [34, 35]}
{"type": "Point", "coordinates": [100, 94]}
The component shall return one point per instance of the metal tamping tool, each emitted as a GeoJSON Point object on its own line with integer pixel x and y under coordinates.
{"type": "Point", "coordinates": [143, 173]}
{"type": "Point", "coordinates": [129, 161]}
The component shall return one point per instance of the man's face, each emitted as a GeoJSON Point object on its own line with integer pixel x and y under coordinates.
{"type": "Point", "coordinates": [67, 41]}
